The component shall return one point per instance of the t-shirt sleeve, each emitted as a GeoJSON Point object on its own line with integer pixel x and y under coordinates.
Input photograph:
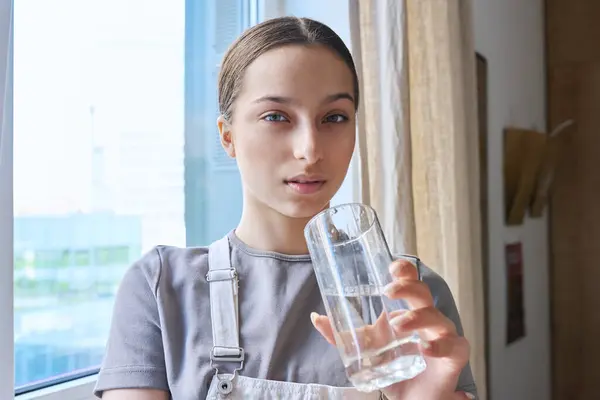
{"type": "Point", "coordinates": [444, 301]}
{"type": "Point", "coordinates": [134, 356]}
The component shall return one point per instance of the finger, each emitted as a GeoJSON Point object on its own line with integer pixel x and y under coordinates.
{"type": "Point", "coordinates": [455, 348]}
{"type": "Point", "coordinates": [363, 338]}
{"type": "Point", "coordinates": [395, 313]}
{"type": "Point", "coordinates": [415, 293]}
{"type": "Point", "coordinates": [404, 269]}
{"type": "Point", "coordinates": [322, 324]}
{"type": "Point", "coordinates": [463, 396]}
{"type": "Point", "coordinates": [428, 319]}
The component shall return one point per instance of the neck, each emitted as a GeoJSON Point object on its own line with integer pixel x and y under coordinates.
{"type": "Point", "coordinates": [265, 229]}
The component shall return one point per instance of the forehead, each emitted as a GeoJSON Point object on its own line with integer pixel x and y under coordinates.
{"type": "Point", "coordinates": [297, 71]}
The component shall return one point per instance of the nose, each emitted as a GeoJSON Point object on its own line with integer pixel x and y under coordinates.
{"type": "Point", "coordinates": [307, 144]}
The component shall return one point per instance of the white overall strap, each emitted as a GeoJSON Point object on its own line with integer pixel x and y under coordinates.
{"type": "Point", "coordinates": [223, 281]}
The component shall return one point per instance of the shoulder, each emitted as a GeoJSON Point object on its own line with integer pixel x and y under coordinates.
{"type": "Point", "coordinates": [440, 291]}
{"type": "Point", "coordinates": [166, 265]}
{"type": "Point", "coordinates": [436, 283]}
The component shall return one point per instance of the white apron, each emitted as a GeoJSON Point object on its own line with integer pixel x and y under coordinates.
{"type": "Point", "coordinates": [226, 350]}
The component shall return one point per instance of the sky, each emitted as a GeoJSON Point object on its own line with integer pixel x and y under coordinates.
{"type": "Point", "coordinates": [83, 66]}
{"type": "Point", "coordinates": [105, 69]}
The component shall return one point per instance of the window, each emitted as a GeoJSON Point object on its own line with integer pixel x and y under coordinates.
{"type": "Point", "coordinates": [115, 151]}
{"type": "Point", "coordinates": [114, 145]}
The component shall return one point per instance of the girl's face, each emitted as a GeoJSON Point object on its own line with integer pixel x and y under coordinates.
{"type": "Point", "coordinates": [293, 129]}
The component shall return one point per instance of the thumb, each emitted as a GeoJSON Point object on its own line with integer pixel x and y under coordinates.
{"type": "Point", "coordinates": [322, 324]}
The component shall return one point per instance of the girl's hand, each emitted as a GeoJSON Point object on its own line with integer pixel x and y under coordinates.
{"type": "Point", "coordinates": [446, 353]}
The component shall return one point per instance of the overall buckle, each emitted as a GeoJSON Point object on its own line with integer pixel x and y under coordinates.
{"type": "Point", "coordinates": [220, 354]}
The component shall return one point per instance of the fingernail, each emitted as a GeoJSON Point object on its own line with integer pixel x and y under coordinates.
{"type": "Point", "coordinates": [313, 317]}
{"type": "Point", "coordinates": [401, 319]}
{"type": "Point", "coordinates": [395, 268]}
{"type": "Point", "coordinates": [470, 396]}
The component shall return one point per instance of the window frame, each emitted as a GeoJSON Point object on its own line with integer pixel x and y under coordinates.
{"type": "Point", "coordinates": [6, 203]}
{"type": "Point", "coordinates": [76, 389]}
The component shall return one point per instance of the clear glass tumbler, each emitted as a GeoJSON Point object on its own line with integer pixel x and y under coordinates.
{"type": "Point", "coordinates": [351, 260]}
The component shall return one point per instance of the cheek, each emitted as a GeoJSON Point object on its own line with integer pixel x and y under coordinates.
{"type": "Point", "coordinates": [256, 152]}
{"type": "Point", "coordinates": [342, 150]}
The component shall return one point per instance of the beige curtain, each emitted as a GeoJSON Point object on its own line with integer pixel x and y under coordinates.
{"type": "Point", "coordinates": [384, 149]}
{"type": "Point", "coordinates": [418, 143]}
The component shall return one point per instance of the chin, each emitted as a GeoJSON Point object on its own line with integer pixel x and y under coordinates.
{"type": "Point", "coordinates": [302, 209]}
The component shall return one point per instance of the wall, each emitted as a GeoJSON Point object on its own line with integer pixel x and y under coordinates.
{"type": "Point", "coordinates": [334, 13]}
{"type": "Point", "coordinates": [574, 93]}
{"type": "Point", "coordinates": [510, 34]}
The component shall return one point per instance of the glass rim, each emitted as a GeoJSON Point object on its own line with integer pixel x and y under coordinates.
{"type": "Point", "coordinates": [329, 210]}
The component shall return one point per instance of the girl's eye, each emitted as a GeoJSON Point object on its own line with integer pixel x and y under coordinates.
{"type": "Point", "coordinates": [275, 118]}
{"type": "Point", "coordinates": [335, 118]}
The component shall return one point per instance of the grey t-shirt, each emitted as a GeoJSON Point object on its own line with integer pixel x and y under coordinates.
{"type": "Point", "coordinates": [161, 336]}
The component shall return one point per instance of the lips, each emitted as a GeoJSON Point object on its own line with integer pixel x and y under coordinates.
{"type": "Point", "coordinates": [305, 184]}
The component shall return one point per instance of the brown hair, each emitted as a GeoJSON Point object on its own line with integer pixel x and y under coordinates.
{"type": "Point", "coordinates": [269, 35]}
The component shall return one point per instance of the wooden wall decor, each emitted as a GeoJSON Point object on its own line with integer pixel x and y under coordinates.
{"type": "Point", "coordinates": [553, 155]}
{"type": "Point", "coordinates": [530, 162]}
{"type": "Point", "coordinates": [523, 155]}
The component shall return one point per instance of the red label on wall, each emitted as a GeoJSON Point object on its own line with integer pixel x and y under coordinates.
{"type": "Point", "coordinates": [515, 292]}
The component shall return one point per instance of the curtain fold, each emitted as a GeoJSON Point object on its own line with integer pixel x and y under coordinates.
{"type": "Point", "coordinates": [418, 142]}
{"type": "Point", "coordinates": [384, 149]}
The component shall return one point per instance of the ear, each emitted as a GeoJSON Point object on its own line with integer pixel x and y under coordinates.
{"type": "Point", "coordinates": [226, 137]}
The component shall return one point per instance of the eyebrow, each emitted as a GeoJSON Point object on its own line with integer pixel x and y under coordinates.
{"type": "Point", "coordinates": [288, 100]}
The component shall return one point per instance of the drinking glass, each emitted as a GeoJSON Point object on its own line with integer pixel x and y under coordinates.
{"type": "Point", "coordinates": [351, 260]}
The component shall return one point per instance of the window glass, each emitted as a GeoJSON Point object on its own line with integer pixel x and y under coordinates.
{"type": "Point", "coordinates": [114, 144]}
